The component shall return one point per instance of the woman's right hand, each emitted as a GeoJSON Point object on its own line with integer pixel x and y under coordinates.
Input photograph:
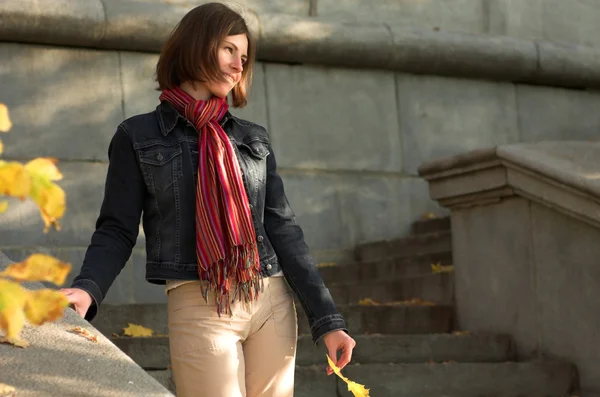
{"type": "Point", "coordinates": [79, 298]}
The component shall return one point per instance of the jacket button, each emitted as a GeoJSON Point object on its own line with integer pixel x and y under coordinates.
{"type": "Point", "coordinates": [260, 239]}
{"type": "Point", "coordinates": [269, 267]}
{"type": "Point", "coordinates": [159, 157]}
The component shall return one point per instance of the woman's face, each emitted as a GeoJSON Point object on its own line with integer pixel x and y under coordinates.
{"type": "Point", "coordinates": [233, 54]}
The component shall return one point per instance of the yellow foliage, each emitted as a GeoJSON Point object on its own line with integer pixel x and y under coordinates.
{"type": "Point", "coordinates": [35, 179]}
{"type": "Point", "coordinates": [44, 305]}
{"type": "Point", "coordinates": [437, 268]}
{"type": "Point", "coordinates": [85, 333]}
{"type": "Point", "coordinates": [12, 301]}
{"type": "Point", "coordinates": [5, 124]}
{"type": "Point", "coordinates": [49, 197]}
{"type": "Point", "coordinates": [137, 331]}
{"type": "Point", "coordinates": [15, 181]}
{"type": "Point", "coordinates": [356, 388]}
{"type": "Point", "coordinates": [17, 304]}
{"type": "Point", "coordinates": [5, 389]}
{"type": "Point", "coordinates": [408, 302]}
{"type": "Point", "coordinates": [45, 167]}
{"type": "Point", "coordinates": [39, 267]}
{"type": "Point", "coordinates": [1, 147]}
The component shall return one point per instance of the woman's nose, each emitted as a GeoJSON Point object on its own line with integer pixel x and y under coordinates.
{"type": "Point", "coordinates": [237, 64]}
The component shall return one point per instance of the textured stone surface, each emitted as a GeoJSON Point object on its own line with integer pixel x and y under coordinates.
{"type": "Point", "coordinates": [567, 279]}
{"type": "Point", "coordinates": [547, 113]}
{"type": "Point", "coordinates": [446, 15]}
{"type": "Point", "coordinates": [74, 21]}
{"type": "Point", "coordinates": [547, 20]}
{"type": "Point", "coordinates": [482, 278]}
{"type": "Point", "coordinates": [295, 7]}
{"type": "Point", "coordinates": [339, 211]}
{"type": "Point", "coordinates": [435, 124]}
{"type": "Point", "coordinates": [63, 102]}
{"type": "Point", "coordinates": [331, 118]}
{"type": "Point", "coordinates": [61, 363]}
{"type": "Point", "coordinates": [429, 287]}
{"type": "Point", "coordinates": [552, 379]}
{"type": "Point", "coordinates": [139, 88]}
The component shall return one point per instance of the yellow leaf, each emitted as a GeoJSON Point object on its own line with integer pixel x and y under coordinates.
{"type": "Point", "coordinates": [22, 343]}
{"type": "Point", "coordinates": [437, 268]}
{"type": "Point", "coordinates": [327, 264]}
{"type": "Point", "coordinates": [1, 147]}
{"type": "Point", "coordinates": [85, 333]}
{"type": "Point", "coordinates": [428, 215]}
{"type": "Point", "coordinates": [137, 331]}
{"type": "Point", "coordinates": [368, 302]}
{"type": "Point", "coordinates": [5, 389]}
{"type": "Point", "coordinates": [44, 305]}
{"type": "Point", "coordinates": [356, 388]}
{"type": "Point", "coordinates": [51, 200]}
{"type": "Point", "coordinates": [5, 124]}
{"type": "Point", "coordinates": [3, 206]}
{"type": "Point", "coordinates": [46, 167]}
{"type": "Point", "coordinates": [12, 301]}
{"type": "Point", "coordinates": [39, 267]}
{"type": "Point", "coordinates": [14, 180]}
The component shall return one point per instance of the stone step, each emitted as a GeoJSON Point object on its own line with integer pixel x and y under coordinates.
{"type": "Point", "coordinates": [423, 226]}
{"type": "Point", "coordinates": [436, 288]}
{"type": "Point", "coordinates": [528, 379]}
{"type": "Point", "coordinates": [405, 247]}
{"type": "Point", "coordinates": [385, 269]}
{"type": "Point", "coordinates": [382, 319]}
{"type": "Point", "coordinates": [153, 353]}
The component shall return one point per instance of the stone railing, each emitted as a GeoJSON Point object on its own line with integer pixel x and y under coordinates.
{"type": "Point", "coordinates": [525, 229]}
{"type": "Point", "coordinates": [139, 26]}
{"type": "Point", "coordinates": [61, 363]}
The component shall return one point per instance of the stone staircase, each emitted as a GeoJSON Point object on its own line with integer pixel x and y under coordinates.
{"type": "Point", "coordinates": [403, 348]}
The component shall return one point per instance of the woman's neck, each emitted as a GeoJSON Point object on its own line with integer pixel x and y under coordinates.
{"type": "Point", "coordinates": [198, 91]}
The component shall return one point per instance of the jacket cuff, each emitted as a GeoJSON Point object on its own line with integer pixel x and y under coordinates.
{"type": "Point", "coordinates": [91, 288]}
{"type": "Point", "coordinates": [327, 324]}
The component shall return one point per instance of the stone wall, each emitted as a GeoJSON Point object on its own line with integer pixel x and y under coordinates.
{"type": "Point", "coordinates": [574, 21]}
{"type": "Point", "coordinates": [525, 230]}
{"type": "Point", "coordinates": [349, 140]}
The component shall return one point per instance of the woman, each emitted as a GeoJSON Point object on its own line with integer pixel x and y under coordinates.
{"type": "Point", "coordinates": [219, 229]}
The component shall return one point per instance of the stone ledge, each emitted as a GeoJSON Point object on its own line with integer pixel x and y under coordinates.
{"type": "Point", "coordinates": [561, 175]}
{"type": "Point", "coordinates": [60, 363]}
{"type": "Point", "coordinates": [137, 26]}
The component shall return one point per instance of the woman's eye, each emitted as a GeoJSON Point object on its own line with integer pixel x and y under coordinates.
{"type": "Point", "coordinates": [229, 49]}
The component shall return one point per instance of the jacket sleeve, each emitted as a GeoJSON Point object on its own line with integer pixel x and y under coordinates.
{"type": "Point", "coordinates": [298, 265]}
{"type": "Point", "coordinates": [117, 226]}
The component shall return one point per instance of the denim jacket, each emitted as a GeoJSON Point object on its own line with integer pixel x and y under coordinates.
{"type": "Point", "coordinates": [153, 160]}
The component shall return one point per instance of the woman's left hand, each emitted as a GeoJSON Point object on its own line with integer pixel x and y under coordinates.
{"type": "Point", "coordinates": [335, 341]}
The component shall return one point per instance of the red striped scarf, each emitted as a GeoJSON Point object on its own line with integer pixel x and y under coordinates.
{"type": "Point", "coordinates": [225, 237]}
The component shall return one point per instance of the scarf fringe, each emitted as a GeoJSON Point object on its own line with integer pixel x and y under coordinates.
{"type": "Point", "coordinates": [237, 277]}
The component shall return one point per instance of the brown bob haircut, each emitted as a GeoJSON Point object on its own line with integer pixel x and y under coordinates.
{"type": "Point", "coordinates": [191, 51]}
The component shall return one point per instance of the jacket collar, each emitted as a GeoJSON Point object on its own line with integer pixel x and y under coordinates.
{"type": "Point", "coordinates": [168, 117]}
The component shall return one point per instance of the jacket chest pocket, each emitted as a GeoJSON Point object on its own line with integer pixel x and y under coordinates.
{"type": "Point", "coordinates": [161, 165]}
{"type": "Point", "coordinates": [254, 165]}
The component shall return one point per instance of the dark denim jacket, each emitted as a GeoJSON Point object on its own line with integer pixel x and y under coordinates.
{"type": "Point", "coordinates": [153, 163]}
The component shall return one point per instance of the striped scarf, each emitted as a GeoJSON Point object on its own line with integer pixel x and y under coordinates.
{"type": "Point", "coordinates": [225, 238]}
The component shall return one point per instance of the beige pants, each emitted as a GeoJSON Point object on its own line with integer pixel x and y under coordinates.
{"type": "Point", "coordinates": [249, 354]}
